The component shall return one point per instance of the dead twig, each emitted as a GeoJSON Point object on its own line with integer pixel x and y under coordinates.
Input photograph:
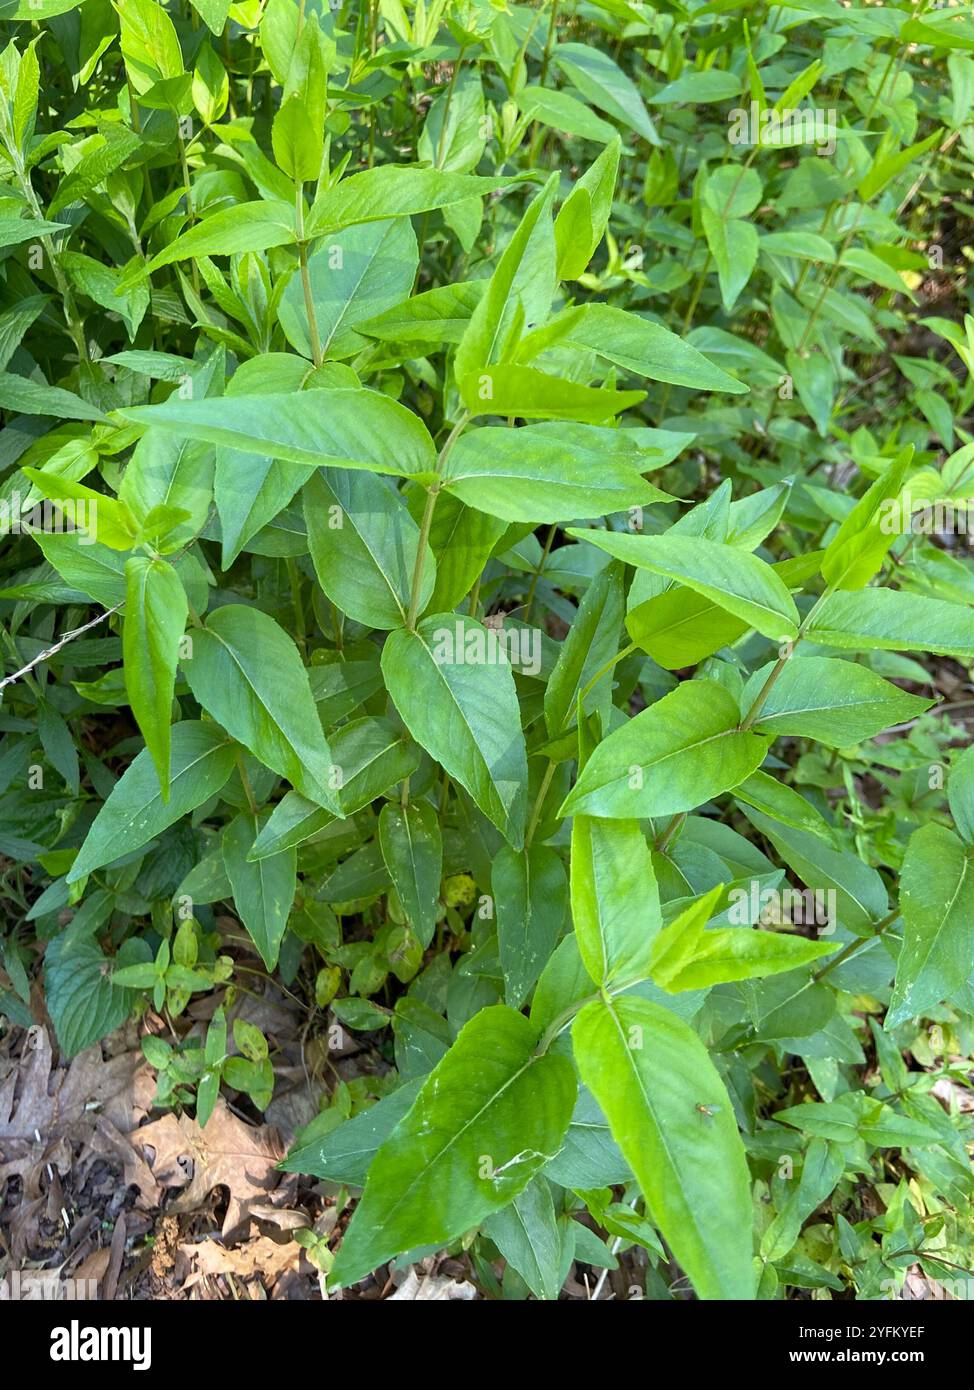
{"type": "Point", "coordinates": [61, 642]}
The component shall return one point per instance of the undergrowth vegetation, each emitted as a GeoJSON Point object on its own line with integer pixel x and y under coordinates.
{"type": "Point", "coordinates": [485, 491]}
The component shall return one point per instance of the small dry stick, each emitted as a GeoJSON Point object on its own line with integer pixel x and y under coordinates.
{"type": "Point", "coordinates": [62, 642]}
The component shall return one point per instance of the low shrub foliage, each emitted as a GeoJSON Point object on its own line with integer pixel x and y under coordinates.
{"type": "Point", "coordinates": [481, 482]}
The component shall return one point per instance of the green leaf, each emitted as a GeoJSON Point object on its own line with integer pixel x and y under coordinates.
{"type": "Point", "coordinates": [518, 295]}
{"type": "Point", "coordinates": [562, 111]}
{"type": "Point", "coordinates": [530, 892]}
{"type": "Point", "coordinates": [937, 903]}
{"type": "Point", "coordinates": [647, 349]}
{"type": "Point", "coordinates": [439, 315]}
{"type": "Point", "coordinates": [170, 472]}
{"type": "Point", "coordinates": [338, 426]}
{"type": "Point", "coordinates": [526, 1233]}
{"type": "Point", "coordinates": [412, 849]}
{"type": "Point", "coordinates": [244, 227]}
{"type": "Point", "coordinates": [590, 645]}
{"type": "Point", "coordinates": [732, 578]}
{"type": "Point", "coordinates": [148, 42]}
{"type": "Point", "coordinates": [84, 564]}
{"type": "Point", "coordinates": [344, 1154]}
{"type": "Point", "coordinates": [685, 956]}
{"type": "Point", "coordinates": [674, 756]}
{"type": "Point", "coordinates": [26, 397]}
{"type": "Point", "coordinates": [462, 539]}
{"type": "Point", "coordinates": [246, 672]}
{"type": "Point", "coordinates": [297, 140]}
{"type": "Point", "coordinates": [859, 547]}
{"type": "Point", "coordinates": [202, 760]}
{"type": "Point", "coordinates": [370, 756]}
{"type": "Point", "coordinates": [263, 891]}
{"type": "Point", "coordinates": [533, 395]}
{"type": "Point", "coordinates": [783, 803]}
{"type": "Point", "coordinates": [838, 703]}
{"type": "Point", "coordinates": [672, 1118]}
{"type": "Point", "coordinates": [156, 610]}
{"type": "Point", "coordinates": [488, 1117]}
{"type": "Point", "coordinates": [394, 191]}
{"type": "Point", "coordinates": [107, 518]}
{"type": "Point", "coordinates": [615, 899]}
{"type": "Point", "coordinates": [698, 87]}
{"type": "Point", "coordinates": [451, 682]}
{"type": "Point", "coordinates": [593, 73]}
{"type": "Point", "coordinates": [364, 544]}
{"type": "Point", "coordinates": [960, 793]}
{"type": "Point", "coordinates": [860, 892]}
{"type": "Point", "coordinates": [584, 216]}
{"type": "Point", "coordinates": [888, 620]}
{"type": "Point", "coordinates": [358, 275]}
{"type": "Point", "coordinates": [549, 472]}
{"type": "Point", "coordinates": [83, 1000]}
{"type": "Point", "coordinates": [15, 230]}
{"type": "Point", "coordinates": [734, 245]}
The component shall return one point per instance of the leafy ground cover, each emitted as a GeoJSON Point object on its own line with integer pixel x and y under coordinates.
{"type": "Point", "coordinates": [485, 799]}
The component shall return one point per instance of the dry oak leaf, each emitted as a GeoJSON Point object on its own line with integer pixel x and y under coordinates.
{"type": "Point", "coordinates": [42, 1105]}
{"type": "Point", "coordinates": [263, 1257]}
{"type": "Point", "coordinates": [227, 1152]}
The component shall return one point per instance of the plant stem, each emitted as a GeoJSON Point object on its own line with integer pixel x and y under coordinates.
{"type": "Point", "coordinates": [671, 830]}
{"type": "Point", "coordinates": [859, 944]}
{"type": "Point", "coordinates": [427, 522]}
{"type": "Point", "coordinates": [539, 803]}
{"type": "Point", "coordinates": [607, 666]}
{"type": "Point", "coordinates": [309, 303]}
{"type": "Point", "coordinates": [537, 573]}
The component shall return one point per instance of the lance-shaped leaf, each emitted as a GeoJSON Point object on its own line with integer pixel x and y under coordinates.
{"type": "Point", "coordinates": [357, 274]}
{"type": "Point", "coordinates": [591, 643]}
{"type": "Point", "coordinates": [394, 191]}
{"type": "Point", "coordinates": [340, 426]}
{"type": "Point", "coordinates": [202, 761]}
{"type": "Point", "coordinates": [859, 547]}
{"type": "Point", "coordinates": [364, 544]}
{"type": "Point", "coordinates": [888, 620]}
{"type": "Point", "coordinates": [155, 619]}
{"type": "Point", "coordinates": [550, 472]}
{"type": "Point", "coordinates": [244, 227]}
{"type": "Point", "coordinates": [488, 1117]}
{"type": "Point", "coordinates": [615, 899]}
{"type": "Point", "coordinates": [452, 684]}
{"type": "Point", "coordinates": [584, 215]}
{"type": "Point", "coordinates": [674, 756]}
{"type": "Point", "coordinates": [672, 1118]}
{"type": "Point", "coordinates": [647, 349]}
{"type": "Point", "coordinates": [734, 579]}
{"type": "Point", "coordinates": [838, 703]}
{"type": "Point", "coordinates": [530, 893]}
{"type": "Point", "coordinates": [439, 315]}
{"type": "Point", "coordinates": [506, 389]}
{"type": "Point", "coordinates": [937, 902]}
{"type": "Point", "coordinates": [412, 848]}
{"type": "Point", "coordinates": [263, 891]}
{"type": "Point", "coordinates": [519, 292]}
{"type": "Point", "coordinates": [686, 956]}
{"type": "Point", "coordinates": [527, 1234]}
{"type": "Point", "coordinates": [246, 672]}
